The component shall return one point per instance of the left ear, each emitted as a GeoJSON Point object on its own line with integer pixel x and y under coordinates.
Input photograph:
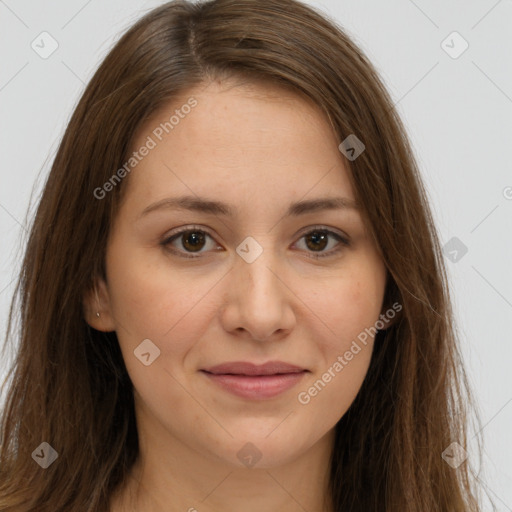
{"type": "Point", "coordinates": [392, 307]}
{"type": "Point", "coordinates": [97, 308]}
{"type": "Point", "coordinates": [390, 316]}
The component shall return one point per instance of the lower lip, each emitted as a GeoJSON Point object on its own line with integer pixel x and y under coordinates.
{"type": "Point", "coordinates": [256, 387]}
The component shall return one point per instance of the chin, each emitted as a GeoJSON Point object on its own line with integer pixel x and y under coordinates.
{"type": "Point", "coordinates": [263, 452]}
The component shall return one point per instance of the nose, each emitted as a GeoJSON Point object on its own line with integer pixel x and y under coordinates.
{"type": "Point", "coordinates": [259, 301]}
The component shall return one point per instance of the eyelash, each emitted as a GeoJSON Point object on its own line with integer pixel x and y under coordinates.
{"type": "Point", "coordinates": [344, 242]}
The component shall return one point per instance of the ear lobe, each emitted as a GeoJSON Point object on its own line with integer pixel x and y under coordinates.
{"type": "Point", "coordinates": [392, 307]}
{"type": "Point", "coordinates": [97, 309]}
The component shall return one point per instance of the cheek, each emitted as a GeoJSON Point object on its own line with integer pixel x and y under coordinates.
{"type": "Point", "coordinates": [349, 311]}
{"type": "Point", "coordinates": [155, 301]}
{"type": "Point", "coordinates": [351, 305]}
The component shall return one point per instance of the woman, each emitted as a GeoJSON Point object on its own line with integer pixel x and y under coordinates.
{"type": "Point", "coordinates": [233, 296]}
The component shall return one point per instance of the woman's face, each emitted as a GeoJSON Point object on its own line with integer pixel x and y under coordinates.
{"type": "Point", "coordinates": [261, 275]}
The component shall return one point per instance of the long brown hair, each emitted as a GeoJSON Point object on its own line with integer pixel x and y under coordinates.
{"type": "Point", "coordinates": [69, 386]}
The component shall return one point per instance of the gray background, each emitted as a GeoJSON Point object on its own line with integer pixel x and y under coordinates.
{"type": "Point", "coordinates": [458, 112]}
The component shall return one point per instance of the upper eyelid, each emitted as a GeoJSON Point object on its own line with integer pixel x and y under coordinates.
{"type": "Point", "coordinates": [300, 234]}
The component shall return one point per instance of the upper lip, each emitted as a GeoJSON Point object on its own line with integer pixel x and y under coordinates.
{"type": "Point", "coordinates": [246, 368]}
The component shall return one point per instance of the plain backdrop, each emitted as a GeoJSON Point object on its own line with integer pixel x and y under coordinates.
{"type": "Point", "coordinates": [456, 103]}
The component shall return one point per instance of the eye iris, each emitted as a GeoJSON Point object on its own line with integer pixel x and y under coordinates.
{"type": "Point", "coordinates": [317, 237]}
{"type": "Point", "coordinates": [192, 240]}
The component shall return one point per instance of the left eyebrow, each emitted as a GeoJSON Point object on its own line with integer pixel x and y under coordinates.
{"type": "Point", "coordinates": [325, 203]}
{"type": "Point", "coordinates": [204, 205]}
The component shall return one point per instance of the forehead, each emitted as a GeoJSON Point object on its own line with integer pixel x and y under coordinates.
{"type": "Point", "coordinates": [238, 141]}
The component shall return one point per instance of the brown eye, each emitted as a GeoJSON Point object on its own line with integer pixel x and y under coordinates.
{"type": "Point", "coordinates": [193, 240]}
{"type": "Point", "coordinates": [187, 242]}
{"type": "Point", "coordinates": [317, 240]}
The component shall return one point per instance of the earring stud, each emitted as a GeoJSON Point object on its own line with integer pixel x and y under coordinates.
{"type": "Point", "coordinates": [97, 302]}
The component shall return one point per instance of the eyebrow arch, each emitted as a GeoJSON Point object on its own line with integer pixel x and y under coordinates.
{"type": "Point", "coordinates": [203, 205]}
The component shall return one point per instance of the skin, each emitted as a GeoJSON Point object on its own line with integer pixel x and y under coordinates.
{"type": "Point", "coordinates": [257, 148]}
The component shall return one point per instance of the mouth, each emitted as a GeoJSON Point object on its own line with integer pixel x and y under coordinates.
{"type": "Point", "coordinates": [256, 382]}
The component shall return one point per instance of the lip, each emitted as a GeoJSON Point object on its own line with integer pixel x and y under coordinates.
{"type": "Point", "coordinates": [246, 368]}
{"type": "Point", "coordinates": [256, 382]}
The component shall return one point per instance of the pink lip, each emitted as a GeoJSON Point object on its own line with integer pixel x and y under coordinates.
{"type": "Point", "coordinates": [256, 381]}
